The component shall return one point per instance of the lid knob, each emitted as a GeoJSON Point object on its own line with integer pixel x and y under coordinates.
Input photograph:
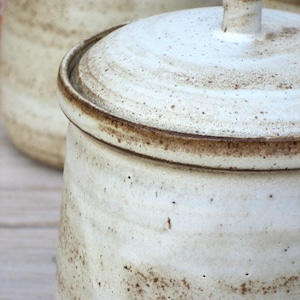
{"type": "Point", "coordinates": [242, 16]}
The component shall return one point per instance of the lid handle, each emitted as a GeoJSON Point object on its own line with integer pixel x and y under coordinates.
{"type": "Point", "coordinates": [242, 16]}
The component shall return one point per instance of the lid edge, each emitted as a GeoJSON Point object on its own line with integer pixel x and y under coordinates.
{"type": "Point", "coordinates": [190, 149]}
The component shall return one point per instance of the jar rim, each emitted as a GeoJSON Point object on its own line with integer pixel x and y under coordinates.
{"type": "Point", "coordinates": [222, 152]}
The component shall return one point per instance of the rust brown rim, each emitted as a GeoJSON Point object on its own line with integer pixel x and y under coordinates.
{"type": "Point", "coordinates": [170, 140]}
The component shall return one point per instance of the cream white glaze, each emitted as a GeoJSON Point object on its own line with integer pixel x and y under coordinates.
{"type": "Point", "coordinates": [180, 72]}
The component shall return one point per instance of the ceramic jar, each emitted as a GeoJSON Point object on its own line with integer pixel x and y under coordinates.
{"type": "Point", "coordinates": [36, 34]}
{"type": "Point", "coordinates": [288, 5]}
{"type": "Point", "coordinates": [182, 171]}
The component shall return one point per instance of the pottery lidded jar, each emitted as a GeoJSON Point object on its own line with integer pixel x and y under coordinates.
{"type": "Point", "coordinates": [182, 171]}
{"type": "Point", "coordinates": [288, 5]}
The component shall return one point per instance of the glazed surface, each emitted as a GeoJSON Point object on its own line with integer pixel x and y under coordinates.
{"type": "Point", "coordinates": [35, 37]}
{"type": "Point", "coordinates": [136, 228]}
{"type": "Point", "coordinates": [159, 107]}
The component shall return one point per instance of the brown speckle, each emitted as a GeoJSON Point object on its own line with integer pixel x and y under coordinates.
{"type": "Point", "coordinates": [142, 284]}
{"type": "Point", "coordinates": [169, 223]}
{"type": "Point", "coordinates": [256, 287]}
{"type": "Point", "coordinates": [289, 31]}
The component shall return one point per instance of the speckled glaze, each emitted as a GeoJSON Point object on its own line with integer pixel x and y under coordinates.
{"type": "Point", "coordinates": [182, 171]}
{"type": "Point", "coordinates": [36, 34]}
{"type": "Point", "coordinates": [138, 228]}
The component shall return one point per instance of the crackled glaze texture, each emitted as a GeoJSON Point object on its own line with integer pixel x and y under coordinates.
{"type": "Point", "coordinates": [162, 110]}
{"type": "Point", "coordinates": [36, 35]}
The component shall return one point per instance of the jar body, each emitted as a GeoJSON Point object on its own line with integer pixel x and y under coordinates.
{"type": "Point", "coordinates": [136, 228]}
{"type": "Point", "coordinates": [36, 35]}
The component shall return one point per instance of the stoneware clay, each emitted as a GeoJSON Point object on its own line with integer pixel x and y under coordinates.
{"type": "Point", "coordinates": [182, 171]}
{"type": "Point", "coordinates": [36, 35]}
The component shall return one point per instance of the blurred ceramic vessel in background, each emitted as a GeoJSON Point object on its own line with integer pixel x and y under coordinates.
{"type": "Point", "coordinates": [288, 5]}
{"type": "Point", "coordinates": [182, 168]}
{"type": "Point", "coordinates": [36, 34]}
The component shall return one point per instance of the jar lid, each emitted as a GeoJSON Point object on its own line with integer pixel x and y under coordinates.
{"type": "Point", "coordinates": [193, 88]}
